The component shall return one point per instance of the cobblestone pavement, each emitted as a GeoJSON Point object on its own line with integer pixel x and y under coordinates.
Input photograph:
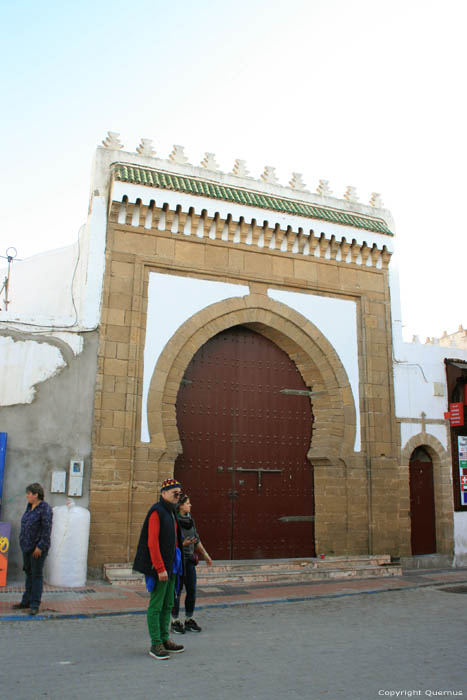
{"type": "Point", "coordinates": [359, 647]}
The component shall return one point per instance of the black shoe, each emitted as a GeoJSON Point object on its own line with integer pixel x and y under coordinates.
{"type": "Point", "coordinates": [177, 627]}
{"type": "Point", "coordinates": [20, 606]}
{"type": "Point", "coordinates": [157, 651]}
{"type": "Point", "coordinates": [34, 611]}
{"type": "Point", "coordinates": [192, 626]}
{"type": "Point", "coordinates": [172, 647]}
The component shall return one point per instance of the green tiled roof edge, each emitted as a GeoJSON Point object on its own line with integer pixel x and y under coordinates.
{"type": "Point", "coordinates": [153, 178]}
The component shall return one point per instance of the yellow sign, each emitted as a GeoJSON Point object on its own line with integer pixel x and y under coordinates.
{"type": "Point", "coordinates": [4, 544]}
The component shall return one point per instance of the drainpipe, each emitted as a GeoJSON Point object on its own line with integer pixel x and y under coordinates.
{"type": "Point", "coordinates": [3, 437]}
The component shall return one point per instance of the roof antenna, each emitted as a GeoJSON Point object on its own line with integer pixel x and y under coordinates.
{"type": "Point", "coordinates": [10, 255]}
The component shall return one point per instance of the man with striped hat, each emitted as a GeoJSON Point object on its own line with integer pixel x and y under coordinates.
{"type": "Point", "coordinates": [159, 557]}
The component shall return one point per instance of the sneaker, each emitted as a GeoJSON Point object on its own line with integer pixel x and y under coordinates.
{"type": "Point", "coordinates": [20, 606]}
{"type": "Point", "coordinates": [157, 651]}
{"type": "Point", "coordinates": [177, 627]}
{"type": "Point", "coordinates": [34, 611]}
{"type": "Point", "coordinates": [173, 648]}
{"type": "Point", "coordinates": [192, 626]}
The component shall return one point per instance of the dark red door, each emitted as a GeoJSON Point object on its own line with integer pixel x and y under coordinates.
{"type": "Point", "coordinates": [422, 503]}
{"type": "Point", "coordinates": [244, 444]}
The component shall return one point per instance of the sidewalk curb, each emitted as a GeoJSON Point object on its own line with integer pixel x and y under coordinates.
{"type": "Point", "coordinates": [231, 604]}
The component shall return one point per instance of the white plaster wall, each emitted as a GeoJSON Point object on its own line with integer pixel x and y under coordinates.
{"type": "Point", "coordinates": [40, 288]}
{"type": "Point", "coordinates": [61, 289]}
{"type": "Point", "coordinates": [93, 256]}
{"type": "Point", "coordinates": [337, 321]}
{"type": "Point", "coordinates": [416, 367]}
{"type": "Point", "coordinates": [172, 300]}
{"type": "Point", "coordinates": [24, 364]}
{"type": "Point", "coordinates": [460, 539]}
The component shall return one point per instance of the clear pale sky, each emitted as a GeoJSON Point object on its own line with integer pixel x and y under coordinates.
{"type": "Point", "coordinates": [369, 93]}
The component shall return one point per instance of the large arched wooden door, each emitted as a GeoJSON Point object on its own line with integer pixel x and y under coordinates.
{"type": "Point", "coordinates": [422, 503]}
{"type": "Point", "coordinates": [245, 420]}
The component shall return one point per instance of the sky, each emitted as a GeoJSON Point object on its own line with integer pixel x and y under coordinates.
{"type": "Point", "coordinates": [369, 93]}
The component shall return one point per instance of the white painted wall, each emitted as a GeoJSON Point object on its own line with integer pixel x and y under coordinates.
{"type": "Point", "coordinates": [172, 300]}
{"type": "Point", "coordinates": [24, 364]}
{"type": "Point", "coordinates": [416, 369]}
{"type": "Point", "coordinates": [337, 321]}
{"type": "Point", "coordinates": [61, 289]}
{"type": "Point", "coordinates": [40, 288]}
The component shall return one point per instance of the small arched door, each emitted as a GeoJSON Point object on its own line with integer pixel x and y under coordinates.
{"type": "Point", "coordinates": [422, 503]}
{"type": "Point", "coordinates": [244, 417]}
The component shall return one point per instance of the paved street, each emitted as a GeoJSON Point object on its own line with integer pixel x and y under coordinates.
{"type": "Point", "coordinates": [361, 647]}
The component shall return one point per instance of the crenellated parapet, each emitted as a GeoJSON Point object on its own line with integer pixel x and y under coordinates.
{"type": "Point", "coordinates": [239, 177]}
{"type": "Point", "coordinates": [174, 197]}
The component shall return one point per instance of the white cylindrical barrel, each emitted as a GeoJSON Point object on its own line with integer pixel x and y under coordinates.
{"type": "Point", "coordinates": [67, 561]}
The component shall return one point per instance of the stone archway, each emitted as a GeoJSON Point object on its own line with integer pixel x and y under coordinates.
{"type": "Point", "coordinates": [316, 359]}
{"type": "Point", "coordinates": [335, 420]}
{"type": "Point", "coordinates": [442, 490]}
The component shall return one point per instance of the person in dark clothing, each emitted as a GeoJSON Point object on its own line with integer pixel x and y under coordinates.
{"type": "Point", "coordinates": [191, 547]}
{"type": "Point", "coordinates": [159, 558]}
{"type": "Point", "coordinates": [34, 540]}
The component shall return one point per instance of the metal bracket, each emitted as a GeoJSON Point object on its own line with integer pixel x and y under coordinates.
{"type": "Point", "coordinates": [301, 392]}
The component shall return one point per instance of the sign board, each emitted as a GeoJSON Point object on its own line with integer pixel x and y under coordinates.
{"type": "Point", "coordinates": [456, 411]}
{"type": "Point", "coordinates": [5, 531]}
{"type": "Point", "coordinates": [462, 451]}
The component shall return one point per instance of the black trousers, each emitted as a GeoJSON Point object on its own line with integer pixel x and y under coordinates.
{"type": "Point", "coordinates": [190, 585]}
{"type": "Point", "coordinates": [33, 568]}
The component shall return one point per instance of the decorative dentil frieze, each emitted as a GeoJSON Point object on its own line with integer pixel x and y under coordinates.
{"type": "Point", "coordinates": [257, 234]}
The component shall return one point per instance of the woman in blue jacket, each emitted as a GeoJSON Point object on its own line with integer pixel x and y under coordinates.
{"type": "Point", "coordinates": [34, 540]}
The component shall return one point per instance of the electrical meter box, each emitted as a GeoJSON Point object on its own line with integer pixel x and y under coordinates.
{"type": "Point", "coordinates": [75, 482]}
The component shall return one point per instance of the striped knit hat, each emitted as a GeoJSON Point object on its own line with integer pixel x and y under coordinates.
{"type": "Point", "coordinates": [170, 484]}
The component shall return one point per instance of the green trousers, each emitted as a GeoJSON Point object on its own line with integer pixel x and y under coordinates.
{"type": "Point", "coordinates": [159, 609]}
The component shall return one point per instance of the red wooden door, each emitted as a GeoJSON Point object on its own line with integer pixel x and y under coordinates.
{"type": "Point", "coordinates": [244, 448]}
{"type": "Point", "coordinates": [422, 503]}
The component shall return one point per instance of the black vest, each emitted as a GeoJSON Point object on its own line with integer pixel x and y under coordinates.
{"type": "Point", "coordinates": [167, 541]}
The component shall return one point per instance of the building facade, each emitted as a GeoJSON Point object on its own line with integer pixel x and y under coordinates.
{"type": "Point", "coordinates": [249, 342]}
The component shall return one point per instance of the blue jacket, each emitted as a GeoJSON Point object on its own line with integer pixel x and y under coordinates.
{"type": "Point", "coordinates": [36, 526]}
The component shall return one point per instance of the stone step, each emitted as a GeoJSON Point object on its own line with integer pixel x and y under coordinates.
{"type": "Point", "coordinates": [273, 570]}
{"type": "Point", "coordinates": [334, 562]}
{"type": "Point", "coordinates": [212, 578]}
